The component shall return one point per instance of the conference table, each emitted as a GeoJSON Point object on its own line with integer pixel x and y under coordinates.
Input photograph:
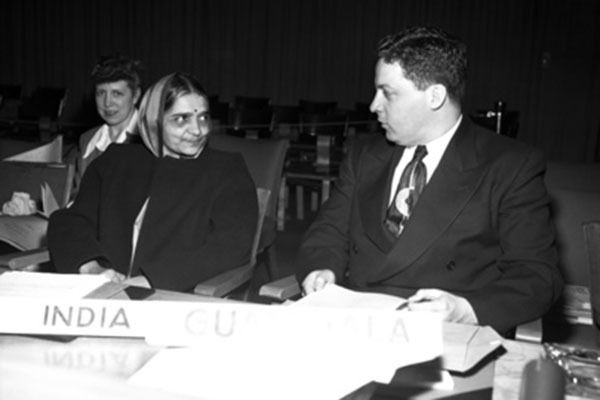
{"type": "Point", "coordinates": [99, 367]}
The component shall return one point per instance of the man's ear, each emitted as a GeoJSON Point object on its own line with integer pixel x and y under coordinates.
{"type": "Point", "coordinates": [437, 95]}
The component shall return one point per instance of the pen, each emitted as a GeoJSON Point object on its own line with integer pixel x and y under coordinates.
{"type": "Point", "coordinates": [407, 302]}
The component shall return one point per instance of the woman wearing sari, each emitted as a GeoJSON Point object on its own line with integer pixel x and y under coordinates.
{"type": "Point", "coordinates": [173, 211]}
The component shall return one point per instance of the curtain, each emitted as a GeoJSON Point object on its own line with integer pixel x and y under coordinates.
{"type": "Point", "coordinates": [540, 57]}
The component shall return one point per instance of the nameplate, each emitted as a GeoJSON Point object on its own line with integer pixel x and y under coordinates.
{"type": "Point", "coordinates": [42, 316]}
{"type": "Point", "coordinates": [191, 323]}
{"type": "Point", "coordinates": [184, 324]}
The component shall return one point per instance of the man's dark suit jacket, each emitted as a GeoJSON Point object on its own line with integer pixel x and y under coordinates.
{"type": "Point", "coordinates": [481, 229]}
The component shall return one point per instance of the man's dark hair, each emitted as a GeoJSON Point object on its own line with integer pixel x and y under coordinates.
{"type": "Point", "coordinates": [116, 68]}
{"type": "Point", "coordinates": [428, 56]}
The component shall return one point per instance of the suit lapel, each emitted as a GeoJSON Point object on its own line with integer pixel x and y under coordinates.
{"type": "Point", "coordinates": [373, 197]}
{"type": "Point", "coordinates": [446, 194]}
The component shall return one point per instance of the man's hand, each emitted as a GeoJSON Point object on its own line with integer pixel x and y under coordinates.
{"type": "Point", "coordinates": [94, 268]}
{"type": "Point", "coordinates": [317, 280]}
{"type": "Point", "coordinates": [454, 308]}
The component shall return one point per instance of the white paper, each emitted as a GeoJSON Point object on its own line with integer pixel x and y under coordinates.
{"type": "Point", "coordinates": [45, 285]}
{"type": "Point", "coordinates": [336, 296]}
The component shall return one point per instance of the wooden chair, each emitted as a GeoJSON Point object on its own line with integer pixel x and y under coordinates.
{"type": "Point", "coordinates": [285, 121]}
{"type": "Point", "coordinates": [22, 176]}
{"type": "Point", "coordinates": [317, 107]}
{"type": "Point", "coordinates": [265, 159]}
{"type": "Point", "coordinates": [250, 116]}
{"type": "Point", "coordinates": [46, 102]}
{"type": "Point", "coordinates": [29, 177]}
{"type": "Point", "coordinates": [219, 112]}
{"type": "Point", "coordinates": [574, 192]}
{"type": "Point", "coordinates": [218, 286]}
{"type": "Point", "coordinates": [32, 151]}
{"type": "Point", "coordinates": [251, 123]}
{"type": "Point", "coordinates": [574, 189]}
{"type": "Point", "coordinates": [11, 101]}
{"type": "Point", "coordinates": [591, 233]}
{"type": "Point", "coordinates": [361, 121]}
{"type": "Point", "coordinates": [40, 113]}
{"type": "Point", "coordinates": [250, 102]}
{"type": "Point", "coordinates": [314, 158]}
{"type": "Point", "coordinates": [223, 284]}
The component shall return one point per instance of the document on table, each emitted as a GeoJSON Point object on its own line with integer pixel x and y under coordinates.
{"type": "Point", "coordinates": [336, 296]}
{"type": "Point", "coordinates": [464, 345]}
{"type": "Point", "coordinates": [46, 285]}
{"type": "Point", "coordinates": [234, 351]}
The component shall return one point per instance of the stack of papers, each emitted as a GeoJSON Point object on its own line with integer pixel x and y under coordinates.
{"type": "Point", "coordinates": [337, 296]}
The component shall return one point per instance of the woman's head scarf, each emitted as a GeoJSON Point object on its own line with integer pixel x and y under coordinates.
{"type": "Point", "coordinates": [151, 116]}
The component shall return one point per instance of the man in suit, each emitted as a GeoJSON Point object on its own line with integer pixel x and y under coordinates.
{"type": "Point", "coordinates": [452, 216]}
{"type": "Point", "coordinates": [117, 89]}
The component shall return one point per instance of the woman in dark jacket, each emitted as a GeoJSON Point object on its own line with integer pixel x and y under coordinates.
{"type": "Point", "coordinates": [175, 211]}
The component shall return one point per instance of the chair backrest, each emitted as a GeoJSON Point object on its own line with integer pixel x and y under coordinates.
{"type": "Point", "coordinates": [361, 120]}
{"type": "Point", "coordinates": [219, 111]}
{"type": "Point", "coordinates": [45, 102]}
{"type": "Point", "coordinates": [20, 176]}
{"type": "Point", "coordinates": [224, 283]}
{"type": "Point", "coordinates": [263, 195]}
{"type": "Point", "coordinates": [10, 92]}
{"type": "Point", "coordinates": [285, 120]}
{"type": "Point", "coordinates": [251, 102]}
{"type": "Point", "coordinates": [574, 190]}
{"type": "Point", "coordinates": [264, 159]}
{"type": "Point", "coordinates": [22, 150]}
{"type": "Point", "coordinates": [591, 233]}
{"type": "Point", "coordinates": [317, 107]}
{"type": "Point", "coordinates": [11, 101]}
{"type": "Point", "coordinates": [334, 125]}
{"type": "Point", "coordinates": [250, 118]}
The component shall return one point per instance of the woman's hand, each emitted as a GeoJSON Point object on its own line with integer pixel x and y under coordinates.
{"type": "Point", "coordinates": [317, 280]}
{"type": "Point", "coordinates": [94, 268]}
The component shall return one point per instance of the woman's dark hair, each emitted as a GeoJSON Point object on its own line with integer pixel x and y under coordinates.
{"type": "Point", "coordinates": [117, 68]}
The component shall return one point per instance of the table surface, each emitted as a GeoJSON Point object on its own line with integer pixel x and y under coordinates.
{"type": "Point", "coordinates": [98, 368]}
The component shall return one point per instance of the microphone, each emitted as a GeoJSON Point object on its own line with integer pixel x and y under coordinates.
{"type": "Point", "coordinates": [542, 379]}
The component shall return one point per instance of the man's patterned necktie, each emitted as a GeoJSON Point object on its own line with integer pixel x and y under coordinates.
{"type": "Point", "coordinates": [411, 185]}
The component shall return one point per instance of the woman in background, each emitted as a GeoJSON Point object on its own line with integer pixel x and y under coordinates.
{"type": "Point", "coordinates": [117, 89]}
{"type": "Point", "coordinates": [175, 211]}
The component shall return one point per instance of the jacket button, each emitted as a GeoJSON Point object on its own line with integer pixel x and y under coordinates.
{"type": "Point", "coordinates": [355, 249]}
{"type": "Point", "coordinates": [450, 266]}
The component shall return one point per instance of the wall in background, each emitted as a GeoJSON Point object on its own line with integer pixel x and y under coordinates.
{"type": "Point", "coordinates": [540, 56]}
